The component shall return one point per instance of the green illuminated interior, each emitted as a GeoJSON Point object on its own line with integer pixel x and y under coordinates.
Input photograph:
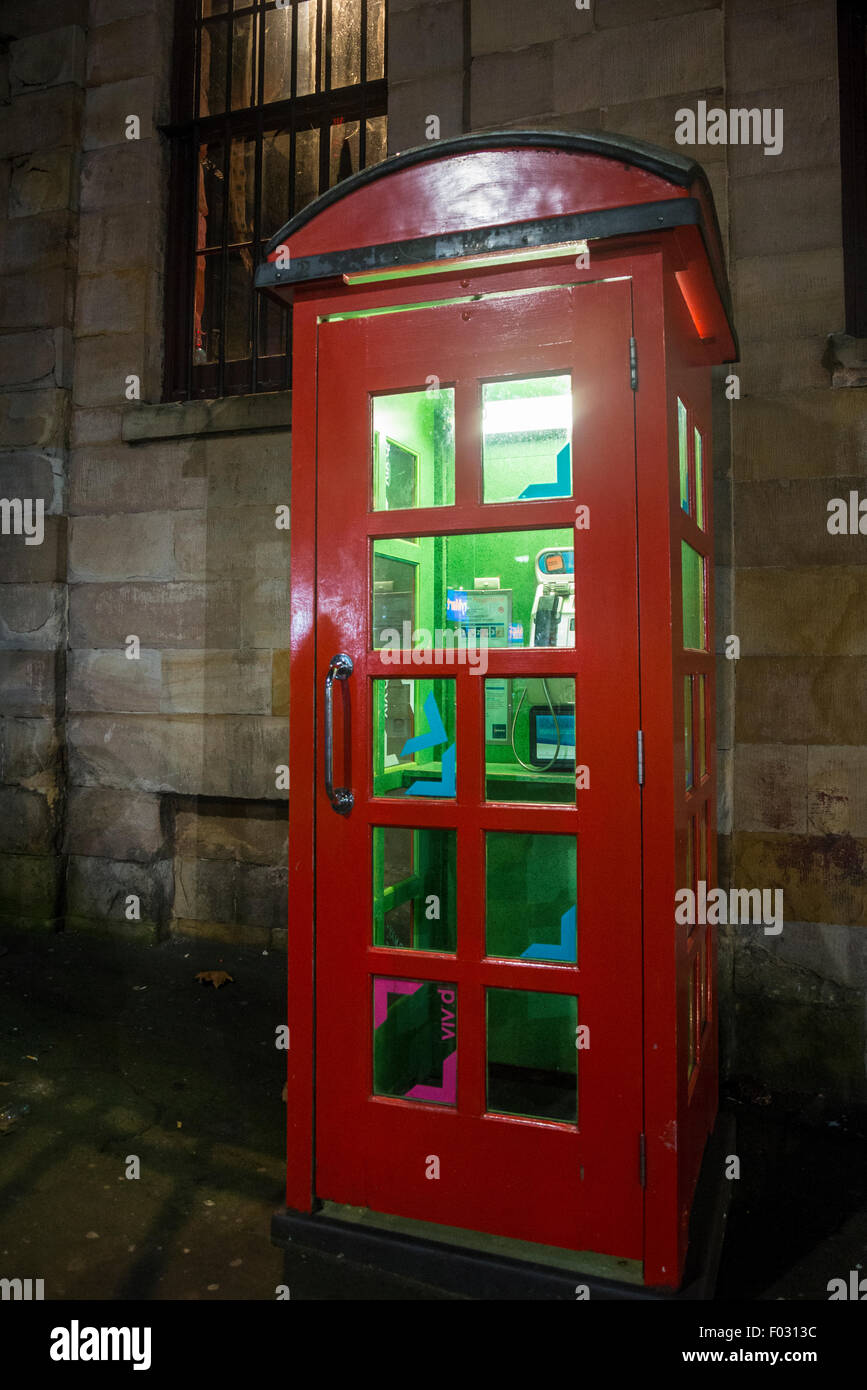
{"type": "Point", "coordinates": [528, 736]}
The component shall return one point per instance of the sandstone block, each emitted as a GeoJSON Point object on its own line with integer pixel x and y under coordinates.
{"type": "Point", "coordinates": [816, 700]}
{"type": "Point", "coordinates": [27, 683]}
{"type": "Point", "coordinates": [44, 182]}
{"type": "Point", "coordinates": [99, 888]}
{"type": "Point", "coordinates": [32, 617]}
{"type": "Point", "coordinates": [425, 41]}
{"type": "Point", "coordinates": [48, 59]}
{"type": "Point", "coordinates": [138, 546]}
{"type": "Point", "coordinates": [233, 756]}
{"type": "Point", "coordinates": [837, 791]}
{"type": "Point", "coordinates": [28, 751]}
{"type": "Point", "coordinates": [106, 109]}
{"type": "Point", "coordinates": [107, 680]}
{"type": "Point", "coordinates": [171, 615]}
{"type": "Point", "coordinates": [216, 682]}
{"type": "Point", "coordinates": [28, 887]}
{"type": "Point", "coordinates": [803, 611]}
{"type": "Point", "coordinates": [770, 787]}
{"type": "Point", "coordinates": [26, 822]}
{"type": "Point", "coordinates": [35, 564]}
{"type": "Point", "coordinates": [251, 832]}
{"type": "Point", "coordinates": [109, 824]}
{"type": "Point", "coordinates": [410, 104]}
{"type": "Point", "coordinates": [102, 365]}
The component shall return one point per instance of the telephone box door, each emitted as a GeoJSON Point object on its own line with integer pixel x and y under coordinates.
{"type": "Point", "coordinates": [478, 905]}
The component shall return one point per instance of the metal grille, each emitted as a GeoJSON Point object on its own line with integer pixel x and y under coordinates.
{"type": "Point", "coordinates": [275, 102]}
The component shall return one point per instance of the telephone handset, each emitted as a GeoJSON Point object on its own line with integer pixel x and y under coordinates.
{"type": "Point", "coordinates": [547, 620]}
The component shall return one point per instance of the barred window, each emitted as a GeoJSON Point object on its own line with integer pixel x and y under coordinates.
{"type": "Point", "coordinates": [275, 101]}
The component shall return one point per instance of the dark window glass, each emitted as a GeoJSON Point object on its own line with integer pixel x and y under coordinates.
{"type": "Point", "coordinates": [274, 104]}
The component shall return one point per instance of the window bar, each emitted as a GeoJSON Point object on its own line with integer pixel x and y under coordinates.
{"type": "Point", "coordinates": [227, 167]}
{"type": "Point", "coordinates": [188, 330]}
{"type": "Point", "coordinates": [362, 124]}
{"type": "Point", "coordinates": [259, 159]}
{"type": "Point", "coordinates": [326, 127]}
{"type": "Point", "coordinates": [293, 115]}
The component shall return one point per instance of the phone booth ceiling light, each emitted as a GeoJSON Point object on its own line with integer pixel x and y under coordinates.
{"type": "Point", "coordinates": [503, 772]}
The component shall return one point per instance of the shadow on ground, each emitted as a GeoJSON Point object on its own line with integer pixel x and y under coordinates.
{"type": "Point", "coordinates": [119, 1052]}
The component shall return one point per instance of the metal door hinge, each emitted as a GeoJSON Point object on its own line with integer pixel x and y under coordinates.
{"type": "Point", "coordinates": [640, 758]}
{"type": "Point", "coordinates": [642, 1161]}
{"type": "Point", "coordinates": [633, 364]}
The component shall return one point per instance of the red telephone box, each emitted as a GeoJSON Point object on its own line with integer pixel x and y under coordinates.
{"type": "Point", "coordinates": [503, 1048]}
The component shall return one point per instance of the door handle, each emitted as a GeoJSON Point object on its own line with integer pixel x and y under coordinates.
{"type": "Point", "coordinates": [341, 798]}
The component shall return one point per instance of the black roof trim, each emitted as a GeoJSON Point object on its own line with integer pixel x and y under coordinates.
{"type": "Point", "coordinates": [676, 168]}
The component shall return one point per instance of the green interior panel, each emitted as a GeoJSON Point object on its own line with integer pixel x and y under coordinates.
{"type": "Point", "coordinates": [692, 571]}
{"type": "Point", "coordinates": [532, 1060]}
{"type": "Point", "coordinates": [415, 888]}
{"type": "Point", "coordinates": [530, 889]}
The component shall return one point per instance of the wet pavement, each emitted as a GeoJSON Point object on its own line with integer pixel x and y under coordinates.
{"type": "Point", "coordinates": [122, 1055]}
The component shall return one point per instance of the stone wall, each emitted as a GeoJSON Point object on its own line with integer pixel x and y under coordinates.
{"type": "Point", "coordinates": [792, 727]}
{"type": "Point", "coordinates": [155, 777]}
{"type": "Point", "coordinates": [169, 789]}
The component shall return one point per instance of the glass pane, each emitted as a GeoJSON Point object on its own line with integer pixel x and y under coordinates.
{"type": "Point", "coordinates": [683, 455]}
{"type": "Point", "coordinates": [305, 53]}
{"type": "Point", "coordinates": [530, 739]}
{"type": "Point", "coordinates": [415, 1050]}
{"type": "Point", "coordinates": [212, 69]}
{"type": "Point", "coordinates": [689, 750]}
{"type": "Point", "coordinates": [344, 150]}
{"type": "Point", "coordinates": [206, 344]}
{"type": "Point", "coordinates": [692, 571]}
{"type": "Point", "coordinates": [211, 207]}
{"type": "Point", "coordinates": [703, 983]}
{"type": "Point", "coordinates": [242, 190]}
{"type": "Point", "coordinates": [377, 138]}
{"type": "Point", "coordinates": [499, 589]}
{"type": "Point", "coordinates": [275, 180]}
{"type": "Point", "coordinates": [278, 56]}
{"type": "Point", "coordinates": [532, 1060]}
{"type": "Point", "coordinates": [692, 1033]}
{"type": "Point", "coordinates": [394, 598]}
{"type": "Point", "coordinates": [375, 42]}
{"type": "Point", "coordinates": [242, 63]}
{"type": "Point", "coordinates": [239, 294]}
{"type": "Point", "coordinates": [702, 844]}
{"type": "Point", "coordinates": [699, 480]}
{"type": "Point", "coordinates": [345, 43]}
{"type": "Point", "coordinates": [530, 896]}
{"type": "Point", "coordinates": [414, 751]}
{"type": "Point", "coordinates": [210, 7]}
{"type": "Point", "coordinates": [272, 329]}
{"type": "Point", "coordinates": [702, 727]}
{"type": "Point", "coordinates": [690, 854]}
{"type": "Point", "coordinates": [413, 449]}
{"type": "Point", "coordinates": [306, 168]}
{"type": "Point", "coordinates": [414, 888]}
{"type": "Point", "coordinates": [526, 439]}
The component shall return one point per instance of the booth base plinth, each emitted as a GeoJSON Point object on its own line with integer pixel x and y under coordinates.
{"type": "Point", "coordinates": [472, 1265]}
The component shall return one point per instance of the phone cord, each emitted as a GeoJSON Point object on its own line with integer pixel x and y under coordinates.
{"type": "Point", "coordinates": [528, 767]}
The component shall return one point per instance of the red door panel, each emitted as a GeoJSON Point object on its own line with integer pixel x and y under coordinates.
{"type": "Point", "coordinates": [457, 1004]}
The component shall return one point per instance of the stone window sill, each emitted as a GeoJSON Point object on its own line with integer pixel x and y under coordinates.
{"type": "Point", "coordinates": [269, 410]}
{"type": "Point", "coordinates": [846, 360]}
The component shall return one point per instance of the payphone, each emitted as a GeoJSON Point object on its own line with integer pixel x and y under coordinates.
{"type": "Point", "coordinates": [465, 385]}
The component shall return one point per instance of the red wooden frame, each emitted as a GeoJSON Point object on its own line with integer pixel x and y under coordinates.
{"type": "Point", "coordinates": [680, 328]}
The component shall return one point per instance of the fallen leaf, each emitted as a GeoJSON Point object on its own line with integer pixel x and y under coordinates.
{"type": "Point", "coordinates": [215, 978]}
